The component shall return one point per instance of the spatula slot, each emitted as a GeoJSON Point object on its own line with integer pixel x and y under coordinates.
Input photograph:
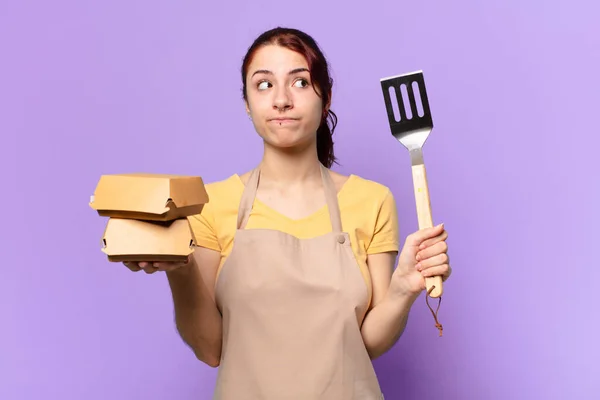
{"type": "Point", "coordinates": [394, 103]}
{"type": "Point", "coordinates": [418, 100]}
{"type": "Point", "coordinates": [406, 100]}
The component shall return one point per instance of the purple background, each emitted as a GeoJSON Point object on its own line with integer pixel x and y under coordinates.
{"type": "Point", "coordinates": [90, 88]}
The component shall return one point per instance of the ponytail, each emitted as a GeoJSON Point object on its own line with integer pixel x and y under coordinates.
{"type": "Point", "coordinates": [325, 140]}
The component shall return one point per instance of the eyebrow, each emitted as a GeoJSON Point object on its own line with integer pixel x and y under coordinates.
{"type": "Point", "coordinates": [294, 71]}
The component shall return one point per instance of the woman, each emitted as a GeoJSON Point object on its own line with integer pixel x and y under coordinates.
{"type": "Point", "coordinates": [292, 288]}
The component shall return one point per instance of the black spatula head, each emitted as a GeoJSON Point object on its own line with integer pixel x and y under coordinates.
{"type": "Point", "coordinates": [410, 125]}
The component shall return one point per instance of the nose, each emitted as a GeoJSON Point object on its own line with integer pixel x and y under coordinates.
{"type": "Point", "coordinates": [283, 99]}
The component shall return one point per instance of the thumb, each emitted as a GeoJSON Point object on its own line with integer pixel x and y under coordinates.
{"type": "Point", "coordinates": [423, 234]}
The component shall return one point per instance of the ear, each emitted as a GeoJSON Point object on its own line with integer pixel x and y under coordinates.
{"type": "Point", "coordinates": [247, 106]}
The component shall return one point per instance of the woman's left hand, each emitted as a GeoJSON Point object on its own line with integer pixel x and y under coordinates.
{"type": "Point", "coordinates": [425, 253]}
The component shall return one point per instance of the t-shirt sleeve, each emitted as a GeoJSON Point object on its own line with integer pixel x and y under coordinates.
{"type": "Point", "coordinates": [385, 234]}
{"type": "Point", "coordinates": [204, 228]}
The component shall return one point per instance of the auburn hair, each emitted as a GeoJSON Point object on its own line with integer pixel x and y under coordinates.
{"type": "Point", "coordinates": [318, 67]}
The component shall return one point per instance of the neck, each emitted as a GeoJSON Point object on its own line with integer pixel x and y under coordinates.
{"type": "Point", "coordinates": [291, 166]}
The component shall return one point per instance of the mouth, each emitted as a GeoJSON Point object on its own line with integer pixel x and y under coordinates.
{"type": "Point", "coordinates": [283, 120]}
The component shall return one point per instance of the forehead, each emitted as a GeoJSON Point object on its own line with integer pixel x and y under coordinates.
{"type": "Point", "coordinates": [276, 59]}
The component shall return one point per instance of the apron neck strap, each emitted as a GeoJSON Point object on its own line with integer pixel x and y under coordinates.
{"type": "Point", "coordinates": [251, 187]}
{"type": "Point", "coordinates": [248, 198]}
{"type": "Point", "coordinates": [332, 200]}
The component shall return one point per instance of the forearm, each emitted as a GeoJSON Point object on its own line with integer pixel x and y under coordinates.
{"type": "Point", "coordinates": [385, 323]}
{"type": "Point", "coordinates": [197, 318]}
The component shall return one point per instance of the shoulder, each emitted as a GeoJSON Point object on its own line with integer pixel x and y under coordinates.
{"type": "Point", "coordinates": [224, 187]}
{"type": "Point", "coordinates": [363, 190]}
{"type": "Point", "coordinates": [223, 195]}
{"type": "Point", "coordinates": [369, 209]}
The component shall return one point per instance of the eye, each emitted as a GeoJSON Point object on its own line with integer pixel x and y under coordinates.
{"type": "Point", "coordinates": [263, 85]}
{"type": "Point", "coordinates": [301, 83]}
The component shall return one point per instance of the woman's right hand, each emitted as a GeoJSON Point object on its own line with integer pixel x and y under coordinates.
{"type": "Point", "coordinates": [152, 267]}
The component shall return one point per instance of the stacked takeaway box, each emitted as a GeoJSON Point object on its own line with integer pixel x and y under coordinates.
{"type": "Point", "coordinates": [148, 215]}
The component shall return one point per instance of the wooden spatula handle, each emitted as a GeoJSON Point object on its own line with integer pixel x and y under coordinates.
{"type": "Point", "coordinates": [425, 219]}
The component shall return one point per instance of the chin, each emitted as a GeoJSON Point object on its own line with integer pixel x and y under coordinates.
{"type": "Point", "coordinates": [288, 142]}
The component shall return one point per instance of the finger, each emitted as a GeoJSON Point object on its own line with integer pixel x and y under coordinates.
{"type": "Point", "coordinates": [430, 242]}
{"type": "Point", "coordinates": [439, 270]}
{"type": "Point", "coordinates": [447, 274]}
{"type": "Point", "coordinates": [150, 269]}
{"type": "Point", "coordinates": [432, 251]}
{"type": "Point", "coordinates": [133, 266]}
{"type": "Point", "coordinates": [434, 261]}
{"type": "Point", "coordinates": [167, 266]}
{"type": "Point", "coordinates": [418, 237]}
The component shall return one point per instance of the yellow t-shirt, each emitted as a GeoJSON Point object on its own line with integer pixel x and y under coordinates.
{"type": "Point", "coordinates": [367, 208]}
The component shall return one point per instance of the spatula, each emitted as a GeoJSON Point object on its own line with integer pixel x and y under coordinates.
{"type": "Point", "coordinates": [412, 129]}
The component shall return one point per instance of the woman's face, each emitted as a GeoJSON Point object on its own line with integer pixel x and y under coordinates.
{"type": "Point", "coordinates": [285, 109]}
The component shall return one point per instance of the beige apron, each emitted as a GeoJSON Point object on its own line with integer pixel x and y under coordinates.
{"type": "Point", "coordinates": [292, 310]}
